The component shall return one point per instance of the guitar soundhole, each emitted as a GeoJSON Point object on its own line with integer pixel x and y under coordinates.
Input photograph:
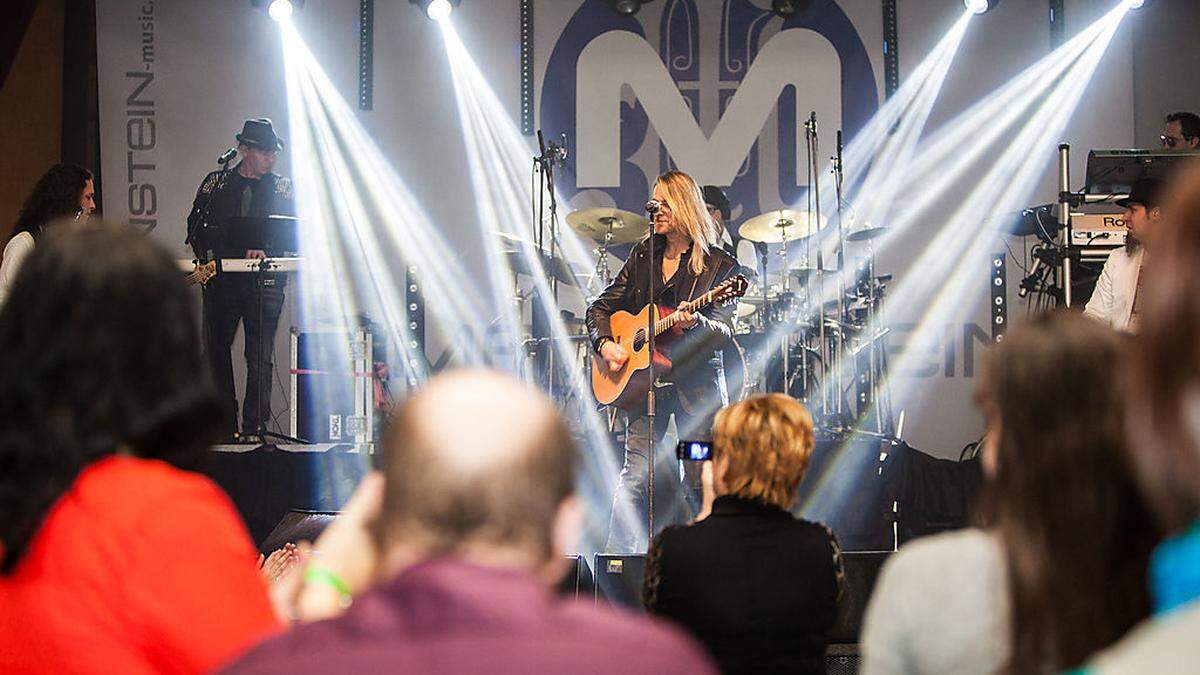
{"type": "Point", "coordinates": [639, 340]}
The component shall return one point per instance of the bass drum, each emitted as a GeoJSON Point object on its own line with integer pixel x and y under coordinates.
{"type": "Point", "coordinates": [736, 382]}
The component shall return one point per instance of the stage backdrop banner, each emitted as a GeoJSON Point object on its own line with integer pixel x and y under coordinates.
{"type": "Point", "coordinates": [718, 88]}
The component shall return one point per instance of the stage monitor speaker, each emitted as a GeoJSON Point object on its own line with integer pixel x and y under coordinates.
{"type": "Point", "coordinates": [619, 579]}
{"type": "Point", "coordinates": [578, 582]}
{"type": "Point", "coordinates": [297, 526]}
{"type": "Point", "coordinates": [861, 570]}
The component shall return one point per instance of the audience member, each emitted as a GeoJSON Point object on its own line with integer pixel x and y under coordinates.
{"type": "Point", "coordinates": [756, 585]}
{"type": "Point", "coordinates": [114, 558]}
{"type": "Point", "coordinates": [472, 519]}
{"type": "Point", "coordinates": [1058, 569]}
{"type": "Point", "coordinates": [1165, 440]}
{"type": "Point", "coordinates": [65, 191]}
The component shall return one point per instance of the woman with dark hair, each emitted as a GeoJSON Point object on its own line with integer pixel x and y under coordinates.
{"type": "Point", "coordinates": [1057, 570]}
{"type": "Point", "coordinates": [1165, 438]}
{"type": "Point", "coordinates": [64, 191]}
{"type": "Point", "coordinates": [114, 557]}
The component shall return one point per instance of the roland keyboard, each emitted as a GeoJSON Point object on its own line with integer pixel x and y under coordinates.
{"type": "Point", "coordinates": [249, 264]}
{"type": "Point", "coordinates": [200, 273]}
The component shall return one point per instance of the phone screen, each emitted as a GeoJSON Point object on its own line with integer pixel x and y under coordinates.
{"type": "Point", "coordinates": [694, 451]}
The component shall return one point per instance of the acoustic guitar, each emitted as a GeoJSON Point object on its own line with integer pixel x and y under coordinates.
{"type": "Point", "coordinates": [627, 387]}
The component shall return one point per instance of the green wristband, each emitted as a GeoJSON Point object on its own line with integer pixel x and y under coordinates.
{"type": "Point", "coordinates": [320, 575]}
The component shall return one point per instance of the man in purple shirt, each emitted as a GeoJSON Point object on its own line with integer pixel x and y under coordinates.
{"type": "Point", "coordinates": [477, 506]}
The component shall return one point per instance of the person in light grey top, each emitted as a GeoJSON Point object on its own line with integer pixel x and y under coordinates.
{"type": "Point", "coordinates": [64, 191]}
{"type": "Point", "coordinates": [940, 606]}
{"type": "Point", "coordinates": [1058, 569]}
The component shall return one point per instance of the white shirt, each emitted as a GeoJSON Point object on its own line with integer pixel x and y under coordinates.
{"type": "Point", "coordinates": [18, 248]}
{"type": "Point", "coordinates": [1112, 301]}
{"type": "Point", "coordinates": [1163, 645]}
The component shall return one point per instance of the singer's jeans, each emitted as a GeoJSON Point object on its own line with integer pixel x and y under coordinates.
{"type": "Point", "coordinates": [679, 501]}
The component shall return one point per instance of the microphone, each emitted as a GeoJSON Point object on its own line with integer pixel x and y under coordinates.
{"type": "Point", "coordinates": [227, 156]}
{"type": "Point", "coordinates": [653, 206]}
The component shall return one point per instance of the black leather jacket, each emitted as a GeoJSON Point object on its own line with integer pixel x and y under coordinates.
{"type": "Point", "coordinates": [219, 197]}
{"type": "Point", "coordinates": [696, 361]}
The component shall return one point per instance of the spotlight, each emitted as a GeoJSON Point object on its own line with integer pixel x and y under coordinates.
{"type": "Point", "coordinates": [280, 9]}
{"type": "Point", "coordinates": [625, 7]}
{"type": "Point", "coordinates": [1134, 4]}
{"type": "Point", "coordinates": [980, 6]}
{"type": "Point", "coordinates": [789, 8]}
{"type": "Point", "coordinates": [438, 10]}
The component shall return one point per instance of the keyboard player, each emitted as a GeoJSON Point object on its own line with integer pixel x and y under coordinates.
{"type": "Point", "coordinates": [248, 189]}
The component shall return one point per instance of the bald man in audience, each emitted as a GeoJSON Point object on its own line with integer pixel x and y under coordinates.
{"type": "Point", "coordinates": [476, 513]}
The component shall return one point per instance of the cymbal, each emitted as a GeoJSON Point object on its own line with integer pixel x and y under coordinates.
{"type": "Point", "coordinates": [596, 224]}
{"type": "Point", "coordinates": [745, 310]}
{"type": "Point", "coordinates": [799, 275]}
{"type": "Point", "coordinates": [519, 262]}
{"type": "Point", "coordinates": [776, 227]}
{"type": "Point", "coordinates": [865, 233]}
{"type": "Point", "coordinates": [512, 238]}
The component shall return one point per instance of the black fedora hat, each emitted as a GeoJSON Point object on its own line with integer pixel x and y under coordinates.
{"type": "Point", "coordinates": [1145, 191]}
{"type": "Point", "coordinates": [715, 197]}
{"type": "Point", "coordinates": [260, 133]}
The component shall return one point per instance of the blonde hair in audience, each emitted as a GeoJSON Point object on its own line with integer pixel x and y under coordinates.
{"type": "Point", "coordinates": [767, 441]}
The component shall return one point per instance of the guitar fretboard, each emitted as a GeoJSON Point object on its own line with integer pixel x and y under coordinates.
{"type": "Point", "coordinates": [669, 321]}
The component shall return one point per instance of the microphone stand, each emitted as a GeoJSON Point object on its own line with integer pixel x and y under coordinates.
{"type": "Point", "coordinates": [810, 129]}
{"type": "Point", "coordinates": [651, 320]}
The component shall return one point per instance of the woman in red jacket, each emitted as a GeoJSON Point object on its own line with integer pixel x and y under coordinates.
{"type": "Point", "coordinates": [114, 557]}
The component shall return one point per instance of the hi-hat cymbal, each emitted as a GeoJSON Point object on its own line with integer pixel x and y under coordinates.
{"type": "Point", "coordinates": [521, 262]}
{"type": "Point", "coordinates": [598, 223]}
{"type": "Point", "coordinates": [865, 233]}
{"type": "Point", "coordinates": [776, 227]}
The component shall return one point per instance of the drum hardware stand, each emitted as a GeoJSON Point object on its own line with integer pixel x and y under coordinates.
{"type": "Point", "coordinates": [551, 155]}
{"type": "Point", "coordinates": [1064, 215]}
{"type": "Point", "coordinates": [784, 300]}
{"type": "Point", "coordinates": [602, 271]}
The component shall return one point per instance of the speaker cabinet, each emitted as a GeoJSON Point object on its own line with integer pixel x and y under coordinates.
{"type": "Point", "coordinates": [578, 581]}
{"type": "Point", "coordinates": [619, 579]}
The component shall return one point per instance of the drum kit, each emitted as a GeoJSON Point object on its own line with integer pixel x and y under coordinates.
{"type": "Point", "coordinates": [785, 340]}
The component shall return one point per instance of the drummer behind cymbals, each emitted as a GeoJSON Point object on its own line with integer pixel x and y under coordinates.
{"type": "Point", "coordinates": [719, 209]}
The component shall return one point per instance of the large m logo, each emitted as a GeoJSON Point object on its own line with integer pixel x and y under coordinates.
{"type": "Point", "coordinates": [620, 58]}
{"type": "Point", "coordinates": [721, 79]}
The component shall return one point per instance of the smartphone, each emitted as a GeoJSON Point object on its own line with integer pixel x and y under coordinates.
{"type": "Point", "coordinates": [694, 451]}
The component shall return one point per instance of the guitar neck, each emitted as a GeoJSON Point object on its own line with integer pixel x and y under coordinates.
{"type": "Point", "coordinates": [668, 322]}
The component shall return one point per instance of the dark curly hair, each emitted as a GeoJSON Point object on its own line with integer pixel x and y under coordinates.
{"type": "Point", "coordinates": [55, 196]}
{"type": "Point", "coordinates": [98, 353]}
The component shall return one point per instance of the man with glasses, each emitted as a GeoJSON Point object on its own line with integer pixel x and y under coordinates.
{"type": "Point", "coordinates": [249, 189]}
{"type": "Point", "coordinates": [1182, 133]}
